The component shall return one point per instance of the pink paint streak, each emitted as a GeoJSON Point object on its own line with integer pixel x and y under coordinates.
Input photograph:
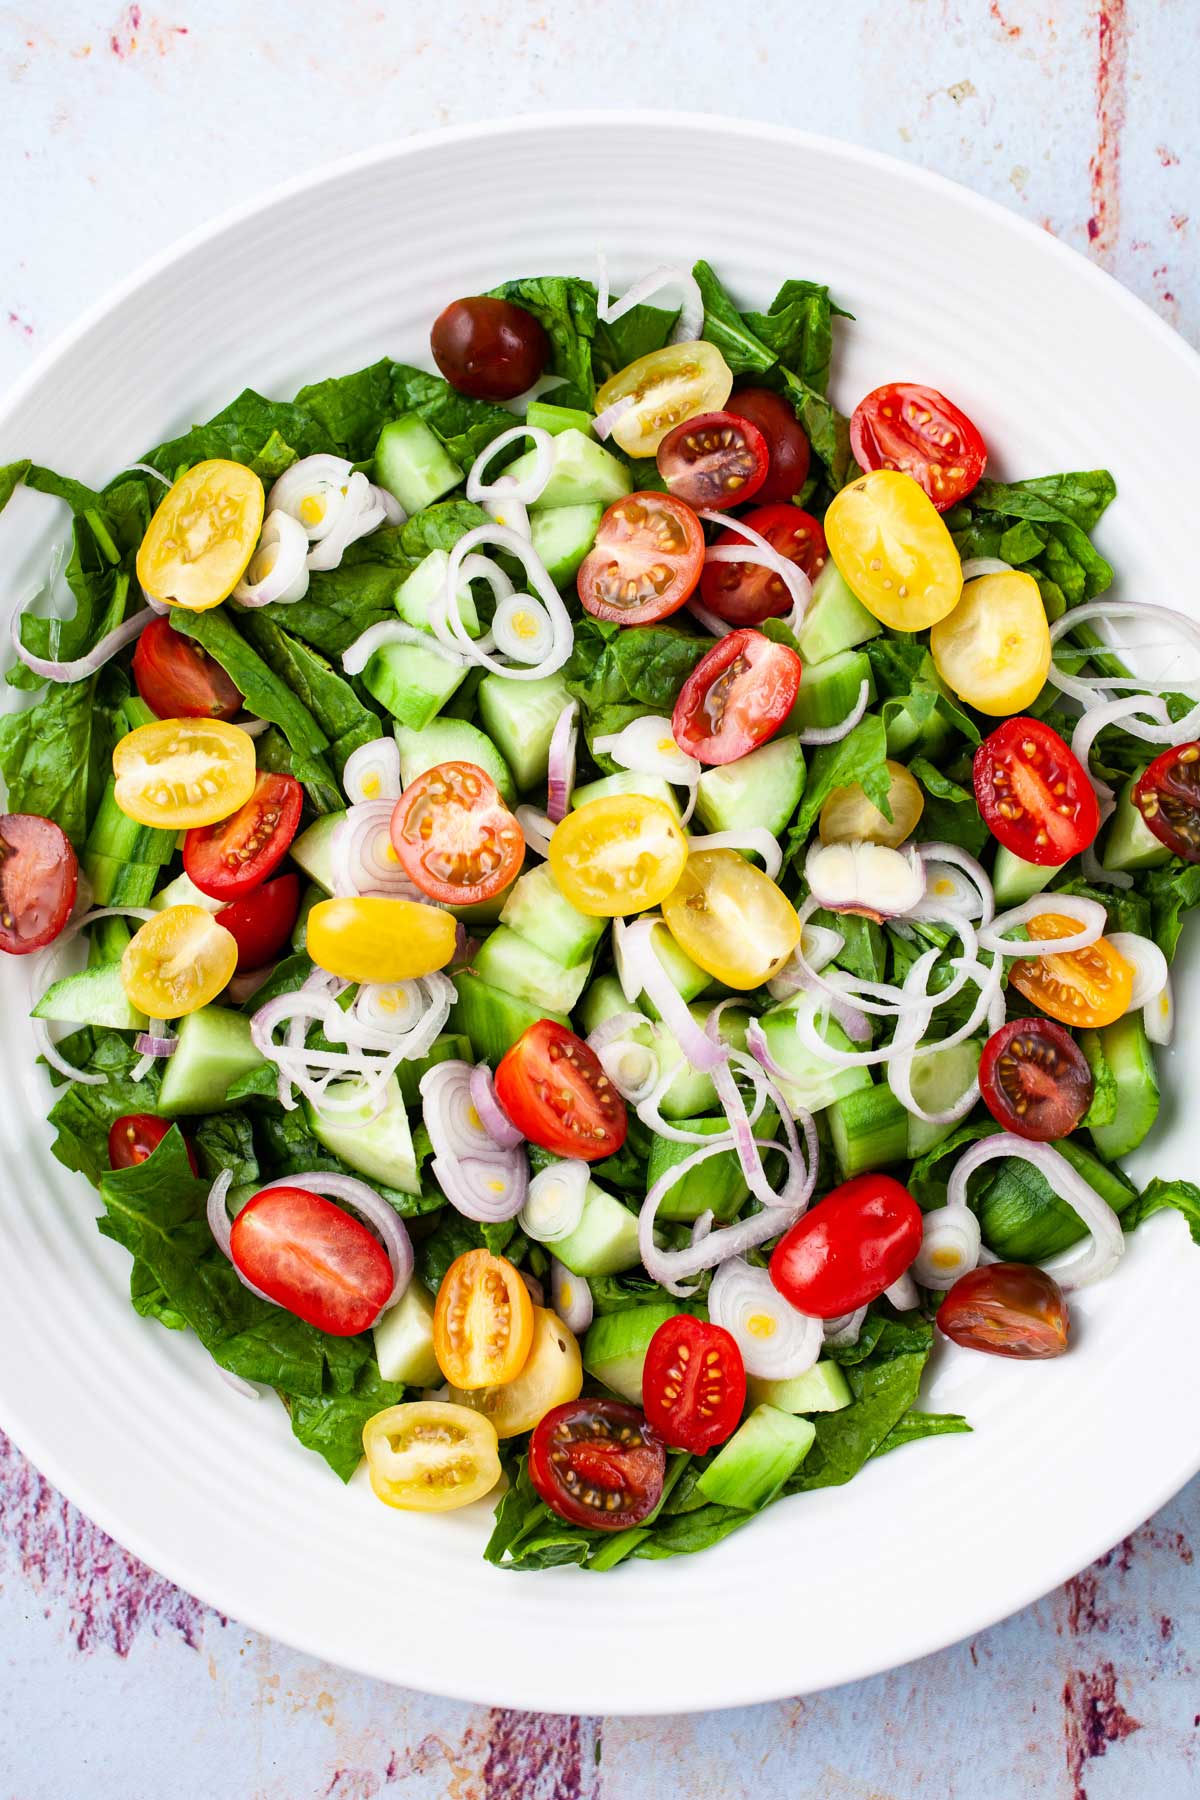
{"type": "Point", "coordinates": [20, 325]}
{"type": "Point", "coordinates": [133, 31]}
{"type": "Point", "coordinates": [532, 1756]}
{"type": "Point", "coordinates": [1093, 1719]}
{"type": "Point", "coordinates": [1010, 31]}
{"type": "Point", "coordinates": [1105, 166]}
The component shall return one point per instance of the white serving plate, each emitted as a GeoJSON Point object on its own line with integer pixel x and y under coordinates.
{"type": "Point", "coordinates": [1061, 368]}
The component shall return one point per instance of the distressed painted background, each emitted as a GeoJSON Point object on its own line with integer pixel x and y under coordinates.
{"type": "Point", "coordinates": [121, 127]}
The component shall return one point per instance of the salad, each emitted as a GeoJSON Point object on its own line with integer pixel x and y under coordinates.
{"type": "Point", "coordinates": [586, 911]}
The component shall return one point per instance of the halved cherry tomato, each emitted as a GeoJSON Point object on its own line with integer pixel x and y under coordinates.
{"type": "Point", "coordinates": [1007, 1309]}
{"type": "Point", "coordinates": [745, 593]}
{"type": "Point", "coordinates": [646, 562]}
{"type": "Point", "coordinates": [39, 876]}
{"type": "Point", "coordinates": [1035, 1079]}
{"type": "Point", "coordinates": [663, 389]}
{"type": "Point", "coordinates": [234, 857]}
{"type": "Point", "coordinates": [1167, 795]}
{"type": "Point", "coordinates": [489, 348]}
{"type": "Point", "coordinates": [844, 1252]}
{"type": "Point", "coordinates": [916, 429]}
{"type": "Point", "coordinates": [429, 1456]}
{"type": "Point", "coordinates": [994, 648]}
{"type": "Point", "coordinates": [1089, 988]}
{"type": "Point", "coordinates": [454, 835]}
{"type": "Point", "coordinates": [731, 918]}
{"type": "Point", "coordinates": [714, 460]}
{"type": "Point", "coordinates": [199, 541]}
{"type": "Point", "coordinates": [693, 1383]}
{"type": "Point", "coordinates": [849, 817]}
{"type": "Point", "coordinates": [554, 1090]}
{"type": "Point", "coordinates": [177, 962]}
{"type": "Point", "coordinates": [372, 938]}
{"type": "Point", "coordinates": [133, 1139]}
{"type": "Point", "coordinates": [787, 447]}
{"type": "Point", "coordinates": [312, 1258]}
{"type": "Point", "coordinates": [736, 697]}
{"type": "Point", "coordinates": [894, 551]}
{"type": "Point", "coordinates": [482, 1321]}
{"type": "Point", "coordinates": [178, 679]}
{"type": "Point", "coordinates": [178, 773]}
{"type": "Point", "coordinates": [598, 1463]}
{"type": "Point", "coordinates": [618, 855]}
{"type": "Point", "coordinates": [262, 922]}
{"type": "Point", "coordinates": [552, 1374]}
{"type": "Point", "coordinates": [1034, 793]}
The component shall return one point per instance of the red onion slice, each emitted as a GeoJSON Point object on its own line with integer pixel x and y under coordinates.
{"type": "Point", "coordinates": [688, 325]}
{"type": "Point", "coordinates": [278, 571]}
{"type": "Point", "coordinates": [480, 1179]}
{"type": "Point", "coordinates": [1091, 915]}
{"type": "Point", "coordinates": [865, 878]}
{"type": "Point", "coordinates": [755, 837]}
{"type": "Point", "coordinates": [641, 972]}
{"type": "Point", "coordinates": [482, 1190]}
{"type": "Point", "coordinates": [391, 631]}
{"type": "Point", "coordinates": [775, 1340]}
{"type": "Point", "coordinates": [496, 1121]}
{"type": "Point", "coordinates": [464, 563]}
{"type": "Point", "coordinates": [1149, 965]}
{"type": "Point", "coordinates": [845, 1330]}
{"type": "Point", "coordinates": [363, 859]}
{"type": "Point", "coordinates": [561, 773]}
{"type": "Point", "coordinates": [1106, 1242]}
{"type": "Point", "coordinates": [571, 1298]}
{"type": "Point", "coordinates": [81, 666]}
{"type": "Point", "coordinates": [705, 616]}
{"type": "Point", "coordinates": [536, 828]}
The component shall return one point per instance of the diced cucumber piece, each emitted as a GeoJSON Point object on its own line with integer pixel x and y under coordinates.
{"type": "Point", "coordinates": [627, 781]}
{"type": "Point", "coordinates": [508, 961]}
{"type": "Point", "coordinates": [417, 592]}
{"type": "Point", "coordinates": [869, 1130]}
{"type": "Point", "coordinates": [93, 997]}
{"type": "Point", "coordinates": [452, 740]}
{"type": "Point", "coordinates": [717, 1185]}
{"type": "Point", "coordinates": [404, 1340]}
{"type": "Point", "coordinates": [762, 789]}
{"type": "Point", "coordinates": [836, 619]}
{"type": "Point", "coordinates": [537, 910]}
{"type": "Point", "coordinates": [135, 712]}
{"type": "Point", "coordinates": [603, 1000]}
{"type": "Point", "coordinates": [605, 1240]}
{"type": "Point", "coordinates": [313, 850]}
{"type": "Point", "coordinates": [115, 834]}
{"type": "Point", "coordinates": [545, 416]}
{"type": "Point", "coordinates": [764, 1452]}
{"type": "Point", "coordinates": [940, 1076]}
{"type": "Point", "coordinates": [308, 899]}
{"type": "Point", "coordinates": [451, 1046]}
{"type": "Point", "coordinates": [1131, 843]}
{"type": "Point", "coordinates": [829, 690]}
{"type": "Point", "coordinates": [492, 1019]}
{"type": "Point", "coordinates": [1023, 1220]}
{"type": "Point", "coordinates": [519, 717]}
{"type": "Point", "coordinates": [108, 941]}
{"type": "Point", "coordinates": [686, 976]}
{"type": "Point", "coordinates": [117, 883]}
{"type": "Point", "coordinates": [583, 471]}
{"type": "Point", "coordinates": [614, 1350]}
{"type": "Point", "coordinates": [411, 462]}
{"type": "Point", "coordinates": [379, 1147]}
{"type": "Point", "coordinates": [214, 1051]}
{"type": "Point", "coordinates": [1130, 1055]}
{"type": "Point", "coordinates": [811, 1082]}
{"type": "Point", "coordinates": [413, 681]}
{"type": "Point", "coordinates": [823, 1388]}
{"type": "Point", "coordinates": [1015, 880]}
{"type": "Point", "coordinates": [184, 892]}
{"type": "Point", "coordinates": [562, 537]}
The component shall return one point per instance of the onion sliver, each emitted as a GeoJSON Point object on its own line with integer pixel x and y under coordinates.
{"type": "Point", "coordinates": [522, 629]}
{"type": "Point", "coordinates": [1106, 1245]}
{"type": "Point", "coordinates": [480, 1179]}
{"type": "Point", "coordinates": [447, 623]}
{"type": "Point", "coordinates": [648, 746]}
{"type": "Point", "coordinates": [762, 555]}
{"type": "Point", "coordinates": [672, 1268]}
{"type": "Point", "coordinates": [81, 666]}
{"type": "Point", "coordinates": [534, 484]}
{"type": "Point", "coordinates": [1159, 1015]}
{"type": "Point", "coordinates": [950, 1243]}
{"type": "Point", "coordinates": [641, 972]}
{"type": "Point", "coordinates": [372, 772]}
{"type": "Point", "coordinates": [560, 774]}
{"type": "Point", "coordinates": [278, 570]}
{"type": "Point", "coordinates": [554, 1204]}
{"type": "Point", "coordinates": [688, 325]}
{"type": "Point", "coordinates": [833, 734]}
{"type": "Point", "coordinates": [537, 828]}
{"type": "Point", "coordinates": [392, 631]}
{"type": "Point", "coordinates": [775, 1340]}
{"type": "Point", "coordinates": [570, 1297]}
{"type": "Point", "coordinates": [975, 566]}
{"type": "Point", "coordinates": [363, 858]}
{"type": "Point", "coordinates": [1091, 915]}
{"type": "Point", "coordinates": [845, 1330]}
{"type": "Point", "coordinates": [754, 837]}
{"type": "Point", "coordinates": [495, 1120]}
{"type": "Point", "coordinates": [903, 1294]}
{"type": "Point", "coordinates": [1149, 965]}
{"type": "Point", "coordinates": [865, 877]}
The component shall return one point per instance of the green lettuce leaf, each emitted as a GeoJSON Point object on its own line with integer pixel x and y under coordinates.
{"type": "Point", "coordinates": [566, 308]}
{"type": "Point", "coordinates": [859, 757]}
{"type": "Point", "coordinates": [1165, 1196]}
{"type": "Point", "coordinates": [330, 699]}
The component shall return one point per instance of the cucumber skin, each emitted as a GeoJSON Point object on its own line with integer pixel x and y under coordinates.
{"type": "Point", "coordinates": [1130, 1057]}
{"type": "Point", "coordinates": [522, 736]}
{"type": "Point", "coordinates": [116, 883]}
{"type": "Point", "coordinates": [869, 1130]}
{"type": "Point", "coordinates": [453, 740]}
{"type": "Point", "coordinates": [412, 463]}
{"type": "Point", "coordinates": [508, 961]}
{"type": "Point", "coordinates": [491, 1020]}
{"type": "Point", "coordinates": [412, 682]}
{"type": "Point", "coordinates": [764, 1452]}
{"type": "Point", "coordinates": [1022, 1220]}
{"type": "Point", "coordinates": [122, 839]}
{"type": "Point", "coordinates": [620, 1338]}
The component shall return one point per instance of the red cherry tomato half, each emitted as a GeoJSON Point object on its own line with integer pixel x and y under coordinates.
{"type": "Point", "coordinates": [554, 1090]}
{"type": "Point", "coordinates": [38, 879]}
{"type": "Point", "coordinates": [597, 1463]}
{"type": "Point", "coordinates": [1035, 1079]}
{"type": "Point", "coordinates": [312, 1258]}
{"type": "Point", "coordinates": [178, 679]}
{"type": "Point", "coordinates": [787, 447]}
{"type": "Point", "coordinates": [844, 1252]}
{"type": "Point", "coordinates": [491, 349]}
{"type": "Point", "coordinates": [136, 1136]}
{"type": "Point", "coordinates": [918, 431]}
{"type": "Point", "coordinates": [454, 835]}
{"type": "Point", "coordinates": [715, 460]}
{"type": "Point", "coordinates": [262, 921]}
{"type": "Point", "coordinates": [746, 593]}
{"type": "Point", "coordinates": [1034, 793]}
{"type": "Point", "coordinates": [1007, 1309]}
{"type": "Point", "coordinates": [736, 697]}
{"type": "Point", "coordinates": [646, 562]}
{"type": "Point", "coordinates": [227, 860]}
{"type": "Point", "coordinates": [693, 1383]}
{"type": "Point", "coordinates": [1167, 795]}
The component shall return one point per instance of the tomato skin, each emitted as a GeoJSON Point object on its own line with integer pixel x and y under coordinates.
{"type": "Point", "coordinates": [202, 536]}
{"type": "Point", "coordinates": [736, 697]}
{"type": "Point", "coordinates": [312, 1258]}
{"type": "Point", "coordinates": [1007, 1309]}
{"type": "Point", "coordinates": [262, 922]}
{"type": "Point", "coordinates": [693, 1383]}
{"type": "Point", "coordinates": [1167, 794]}
{"type": "Point", "coordinates": [489, 348]}
{"type": "Point", "coordinates": [1089, 987]}
{"type": "Point", "coordinates": [134, 1137]}
{"type": "Point", "coordinates": [372, 938]}
{"type": "Point", "coordinates": [230, 859]}
{"type": "Point", "coordinates": [650, 541]}
{"type": "Point", "coordinates": [1016, 773]}
{"type": "Point", "coordinates": [917, 430]}
{"type": "Point", "coordinates": [851, 1246]}
{"type": "Point", "coordinates": [788, 451]}
{"type": "Point", "coordinates": [588, 1453]}
{"type": "Point", "coordinates": [482, 1321]}
{"type": "Point", "coordinates": [714, 460]}
{"type": "Point", "coordinates": [39, 878]}
{"type": "Point", "coordinates": [454, 836]}
{"type": "Point", "coordinates": [178, 679]}
{"type": "Point", "coordinates": [1034, 1079]}
{"type": "Point", "coordinates": [546, 1061]}
{"type": "Point", "coordinates": [746, 594]}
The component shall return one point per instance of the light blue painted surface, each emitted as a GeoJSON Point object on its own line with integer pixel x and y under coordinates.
{"type": "Point", "coordinates": [119, 129]}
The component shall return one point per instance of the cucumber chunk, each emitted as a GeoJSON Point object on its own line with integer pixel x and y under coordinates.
{"type": "Point", "coordinates": [93, 997]}
{"type": "Point", "coordinates": [538, 911]}
{"type": "Point", "coordinates": [836, 619]}
{"type": "Point", "coordinates": [562, 537]}
{"type": "Point", "coordinates": [557, 419]}
{"type": "Point", "coordinates": [829, 690]}
{"type": "Point", "coordinates": [404, 1340]}
{"type": "Point", "coordinates": [940, 1076]}
{"type": "Point", "coordinates": [605, 1240]}
{"type": "Point", "coordinates": [686, 976]}
{"type": "Point", "coordinates": [509, 961]}
{"type": "Point", "coordinates": [869, 1130]}
{"type": "Point", "coordinates": [452, 740]}
{"type": "Point", "coordinates": [380, 1147]}
{"type": "Point", "coordinates": [417, 592]}
{"type": "Point", "coordinates": [614, 1350]}
{"type": "Point", "coordinates": [412, 463]}
{"type": "Point", "coordinates": [451, 1046]}
{"type": "Point", "coordinates": [1131, 843]}
{"type": "Point", "coordinates": [823, 1388]}
{"type": "Point", "coordinates": [628, 781]}
{"type": "Point", "coordinates": [413, 681]}
{"type": "Point", "coordinates": [213, 1052]}
{"type": "Point", "coordinates": [717, 1185]}
{"type": "Point", "coordinates": [184, 892]}
{"type": "Point", "coordinates": [1015, 880]}
{"type": "Point", "coordinates": [811, 1082]}
{"type": "Point", "coordinates": [492, 1019]}
{"type": "Point", "coordinates": [519, 717]}
{"type": "Point", "coordinates": [764, 1452]}
{"type": "Point", "coordinates": [1130, 1056]}
{"type": "Point", "coordinates": [584, 471]}
{"type": "Point", "coordinates": [762, 789]}
{"type": "Point", "coordinates": [313, 850]}
{"type": "Point", "coordinates": [1023, 1220]}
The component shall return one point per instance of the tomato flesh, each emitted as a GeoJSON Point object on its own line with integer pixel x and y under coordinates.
{"type": "Point", "coordinates": [1089, 987]}
{"type": "Point", "coordinates": [1167, 795]}
{"type": "Point", "coordinates": [180, 773]}
{"type": "Point", "coordinates": [39, 876]}
{"type": "Point", "coordinates": [731, 918]}
{"type": "Point", "coordinates": [597, 1463]}
{"type": "Point", "coordinates": [178, 679]}
{"type": "Point", "coordinates": [849, 1248]}
{"type": "Point", "coordinates": [261, 922]}
{"type": "Point", "coordinates": [554, 1090]}
{"type": "Point", "coordinates": [618, 855]}
{"type": "Point", "coordinates": [454, 836]}
{"type": "Point", "coordinates": [134, 1137]}
{"type": "Point", "coordinates": [788, 452]}
{"type": "Point", "coordinates": [488, 348]}
{"type": "Point", "coordinates": [693, 1383]}
{"type": "Point", "coordinates": [646, 562]}
{"type": "Point", "coordinates": [1007, 1309]}
{"type": "Point", "coordinates": [1035, 1080]}
{"type": "Point", "coordinates": [1034, 793]}
{"type": "Point", "coordinates": [231, 858]}
{"type": "Point", "coordinates": [312, 1258]}
{"type": "Point", "coordinates": [736, 697]}
{"type": "Point", "coordinates": [713, 460]}
{"type": "Point", "coordinates": [745, 593]}
{"type": "Point", "coordinates": [482, 1321]}
{"type": "Point", "coordinates": [917, 430]}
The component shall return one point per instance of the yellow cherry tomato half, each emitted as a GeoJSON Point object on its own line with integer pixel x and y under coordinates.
{"type": "Point", "coordinates": [731, 918]}
{"type": "Point", "coordinates": [177, 962]}
{"type": "Point", "coordinates": [428, 1456]}
{"type": "Point", "coordinates": [848, 814]}
{"type": "Point", "coordinates": [200, 540]}
{"type": "Point", "coordinates": [552, 1375]}
{"type": "Point", "coordinates": [893, 550]}
{"type": "Point", "coordinates": [994, 648]}
{"type": "Point", "coordinates": [664, 389]}
{"type": "Point", "coordinates": [1089, 988]}
{"type": "Point", "coordinates": [183, 772]}
{"type": "Point", "coordinates": [377, 939]}
{"type": "Point", "coordinates": [621, 854]}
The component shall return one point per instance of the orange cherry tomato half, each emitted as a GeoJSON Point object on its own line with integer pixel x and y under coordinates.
{"type": "Point", "coordinates": [313, 1259]}
{"type": "Point", "coordinates": [849, 1248]}
{"type": "Point", "coordinates": [554, 1089]}
{"type": "Point", "coordinates": [482, 1321]}
{"type": "Point", "coordinates": [918, 431]}
{"type": "Point", "coordinates": [1034, 793]}
{"type": "Point", "coordinates": [38, 880]}
{"type": "Point", "coordinates": [693, 1383]}
{"type": "Point", "coordinates": [646, 562]}
{"type": "Point", "coordinates": [1007, 1309]}
{"type": "Point", "coordinates": [1088, 988]}
{"type": "Point", "coordinates": [736, 697]}
{"type": "Point", "coordinates": [235, 856]}
{"type": "Point", "coordinates": [598, 1463]}
{"type": "Point", "coordinates": [454, 835]}
{"type": "Point", "coordinates": [746, 593]}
